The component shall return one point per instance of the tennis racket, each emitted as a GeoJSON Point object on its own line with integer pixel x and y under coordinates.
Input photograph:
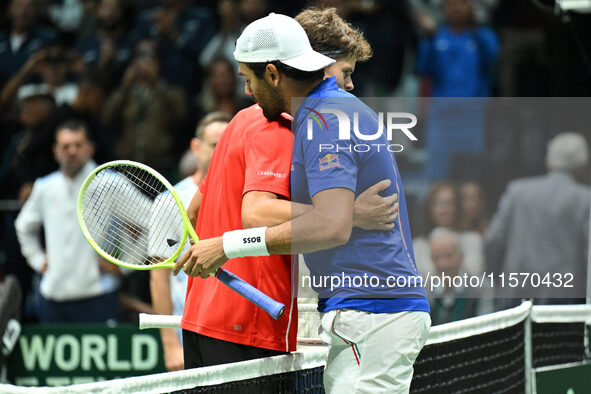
{"type": "Point", "coordinates": [132, 216]}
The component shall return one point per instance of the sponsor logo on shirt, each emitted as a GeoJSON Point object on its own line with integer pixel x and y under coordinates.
{"type": "Point", "coordinates": [329, 160]}
{"type": "Point", "coordinates": [271, 173]}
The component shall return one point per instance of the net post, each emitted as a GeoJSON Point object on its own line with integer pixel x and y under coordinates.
{"type": "Point", "coordinates": [528, 356]}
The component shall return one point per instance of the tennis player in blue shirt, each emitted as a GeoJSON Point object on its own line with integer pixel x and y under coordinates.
{"type": "Point", "coordinates": [375, 311]}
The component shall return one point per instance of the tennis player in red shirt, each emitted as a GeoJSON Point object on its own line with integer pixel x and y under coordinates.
{"type": "Point", "coordinates": [248, 186]}
{"type": "Point", "coordinates": [219, 325]}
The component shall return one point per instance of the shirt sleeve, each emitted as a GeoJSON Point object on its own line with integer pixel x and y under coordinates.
{"type": "Point", "coordinates": [28, 229]}
{"type": "Point", "coordinates": [327, 168]}
{"type": "Point", "coordinates": [267, 158]}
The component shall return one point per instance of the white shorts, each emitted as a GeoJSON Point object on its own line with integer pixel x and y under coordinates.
{"type": "Point", "coordinates": [372, 352]}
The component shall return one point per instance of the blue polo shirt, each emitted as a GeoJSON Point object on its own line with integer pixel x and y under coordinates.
{"type": "Point", "coordinates": [460, 64]}
{"type": "Point", "coordinates": [377, 269]}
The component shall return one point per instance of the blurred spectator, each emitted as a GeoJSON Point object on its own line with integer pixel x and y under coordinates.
{"type": "Point", "coordinates": [19, 167]}
{"type": "Point", "coordinates": [87, 106]}
{"type": "Point", "coordinates": [473, 209]}
{"type": "Point", "coordinates": [450, 302]}
{"type": "Point", "coordinates": [181, 31]}
{"type": "Point", "coordinates": [429, 15]}
{"type": "Point", "coordinates": [441, 209]}
{"type": "Point", "coordinates": [234, 16]}
{"type": "Point", "coordinates": [108, 48]}
{"type": "Point", "coordinates": [219, 91]}
{"type": "Point", "coordinates": [542, 223]}
{"type": "Point", "coordinates": [188, 164]}
{"type": "Point", "coordinates": [52, 65]}
{"type": "Point", "coordinates": [458, 61]}
{"type": "Point", "coordinates": [146, 112]}
{"type": "Point", "coordinates": [22, 39]}
{"type": "Point", "coordinates": [460, 56]}
{"type": "Point", "coordinates": [66, 14]}
{"type": "Point", "coordinates": [76, 285]}
{"type": "Point", "coordinates": [169, 291]}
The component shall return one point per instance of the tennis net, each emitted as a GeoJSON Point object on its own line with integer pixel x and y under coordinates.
{"type": "Point", "coordinates": [494, 353]}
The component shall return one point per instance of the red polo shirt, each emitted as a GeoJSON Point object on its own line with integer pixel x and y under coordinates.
{"type": "Point", "coordinates": [253, 154]}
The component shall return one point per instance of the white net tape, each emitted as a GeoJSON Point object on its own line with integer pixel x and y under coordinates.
{"type": "Point", "coordinates": [309, 321]}
{"type": "Point", "coordinates": [180, 380]}
{"type": "Point", "coordinates": [307, 356]}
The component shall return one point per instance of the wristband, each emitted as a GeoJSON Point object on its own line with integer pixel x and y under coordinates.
{"type": "Point", "coordinates": [242, 243]}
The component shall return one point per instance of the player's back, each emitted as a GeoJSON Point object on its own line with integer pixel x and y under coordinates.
{"type": "Point", "coordinates": [227, 175]}
{"type": "Point", "coordinates": [334, 152]}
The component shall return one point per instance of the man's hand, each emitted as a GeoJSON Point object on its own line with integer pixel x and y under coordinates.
{"type": "Point", "coordinates": [374, 212]}
{"type": "Point", "coordinates": [203, 258]}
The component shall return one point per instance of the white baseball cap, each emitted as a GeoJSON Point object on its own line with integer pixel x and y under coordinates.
{"type": "Point", "coordinates": [279, 37]}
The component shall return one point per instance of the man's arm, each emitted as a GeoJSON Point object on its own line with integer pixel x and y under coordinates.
{"type": "Point", "coordinates": [261, 209]}
{"type": "Point", "coordinates": [162, 305]}
{"type": "Point", "coordinates": [193, 208]}
{"type": "Point", "coordinates": [327, 225]}
{"type": "Point", "coordinates": [372, 211]}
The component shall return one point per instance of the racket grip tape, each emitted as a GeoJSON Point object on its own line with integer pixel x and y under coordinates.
{"type": "Point", "coordinates": [273, 308]}
{"type": "Point", "coordinates": [159, 321]}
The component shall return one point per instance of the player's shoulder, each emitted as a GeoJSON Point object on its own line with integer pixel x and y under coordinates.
{"type": "Point", "coordinates": [48, 179]}
{"type": "Point", "coordinates": [523, 187]}
{"type": "Point", "coordinates": [252, 119]}
{"type": "Point", "coordinates": [517, 186]}
{"type": "Point", "coordinates": [247, 113]}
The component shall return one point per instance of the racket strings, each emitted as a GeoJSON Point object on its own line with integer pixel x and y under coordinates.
{"type": "Point", "coordinates": [116, 230]}
{"type": "Point", "coordinates": [125, 228]}
{"type": "Point", "coordinates": [131, 215]}
{"type": "Point", "coordinates": [133, 231]}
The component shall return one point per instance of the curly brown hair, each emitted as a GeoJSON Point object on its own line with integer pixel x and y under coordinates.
{"type": "Point", "coordinates": [332, 36]}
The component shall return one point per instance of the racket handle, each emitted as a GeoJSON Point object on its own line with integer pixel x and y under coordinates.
{"type": "Point", "coordinates": [159, 321]}
{"type": "Point", "coordinates": [254, 295]}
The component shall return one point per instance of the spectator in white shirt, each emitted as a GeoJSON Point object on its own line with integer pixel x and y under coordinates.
{"type": "Point", "coordinates": [76, 285]}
